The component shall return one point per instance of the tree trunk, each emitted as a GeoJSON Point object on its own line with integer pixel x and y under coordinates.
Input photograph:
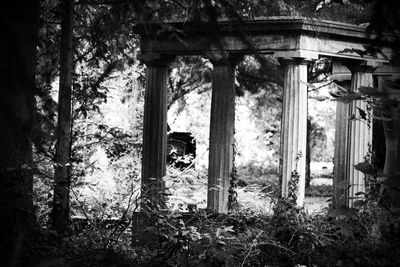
{"type": "Point", "coordinates": [60, 213]}
{"type": "Point", "coordinates": [308, 153]}
{"type": "Point", "coordinates": [19, 20]}
{"type": "Point", "coordinates": [391, 169]}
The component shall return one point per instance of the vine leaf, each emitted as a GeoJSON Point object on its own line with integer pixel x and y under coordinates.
{"type": "Point", "coordinates": [370, 91]}
{"type": "Point", "coordinates": [365, 167]}
{"type": "Point", "coordinates": [351, 96]}
{"type": "Point", "coordinates": [358, 203]}
{"type": "Point", "coordinates": [363, 114]}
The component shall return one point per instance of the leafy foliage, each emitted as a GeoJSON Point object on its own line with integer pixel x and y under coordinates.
{"type": "Point", "coordinates": [105, 49]}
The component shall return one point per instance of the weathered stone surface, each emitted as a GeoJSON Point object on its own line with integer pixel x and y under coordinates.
{"type": "Point", "coordinates": [340, 153]}
{"type": "Point", "coordinates": [283, 37]}
{"type": "Point", "coordinates": [360, 134]}
{"type": "Point", "coordinates": [287, 36]}
{"type": "Point", "coordinates": [294, 127]}
{"type": "Point", "coordinates": [155, 133]}
{"type": "Point", "coordinates": [353, 138]}
{"type": "Point", "coordinates": [221, 134]}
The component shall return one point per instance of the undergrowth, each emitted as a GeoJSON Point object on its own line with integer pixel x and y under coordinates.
{"type": "Point", "coordinates": [289, 237]}
{"type": "Point", "coordinates": [367, 236]}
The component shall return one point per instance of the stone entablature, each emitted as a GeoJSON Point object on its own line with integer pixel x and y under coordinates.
{"type": "Point", "coordinates": [280, 36]}
{"type": "Point", "coordinates": [294, 41]}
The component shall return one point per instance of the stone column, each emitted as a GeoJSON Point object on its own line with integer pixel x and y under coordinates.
{"type": "Point", "coordinates": [359, 133]}
{"type": "Point", "coordinates": [340, 153]}
{"type": "Point", "coordinates": [221, 134]}
{"type": "Point", "coordinates": [155, 132]}
{"type": "Point", "coordinates": [294, 129]}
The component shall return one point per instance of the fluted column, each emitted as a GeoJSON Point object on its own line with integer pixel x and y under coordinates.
{"type": "Point", "coordinates": [294, 129]}
{"type": "Point", "coordinates": [360, 133]}
{"type": "Point", "coordinates": [154, 132]}
{"type": "Point", "coordinates": [221, 134]}
{"type": "Point", "coordinates": [340, 153]}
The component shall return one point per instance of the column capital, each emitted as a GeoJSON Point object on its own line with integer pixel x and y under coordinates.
{"type": "Point", "coordinates": [294, 61]}
{"type": "Point", "coordinates": [224, 58]}
{"type": "Point", "coordinates": [355, 65]}
{"type": "Point", "coordinates": [156, 59]}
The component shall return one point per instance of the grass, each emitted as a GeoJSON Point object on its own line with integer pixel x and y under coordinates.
{"type": "Point", "coordinates": [319, 191]}
{"type": "Point", "coordinates": [260, 175]}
